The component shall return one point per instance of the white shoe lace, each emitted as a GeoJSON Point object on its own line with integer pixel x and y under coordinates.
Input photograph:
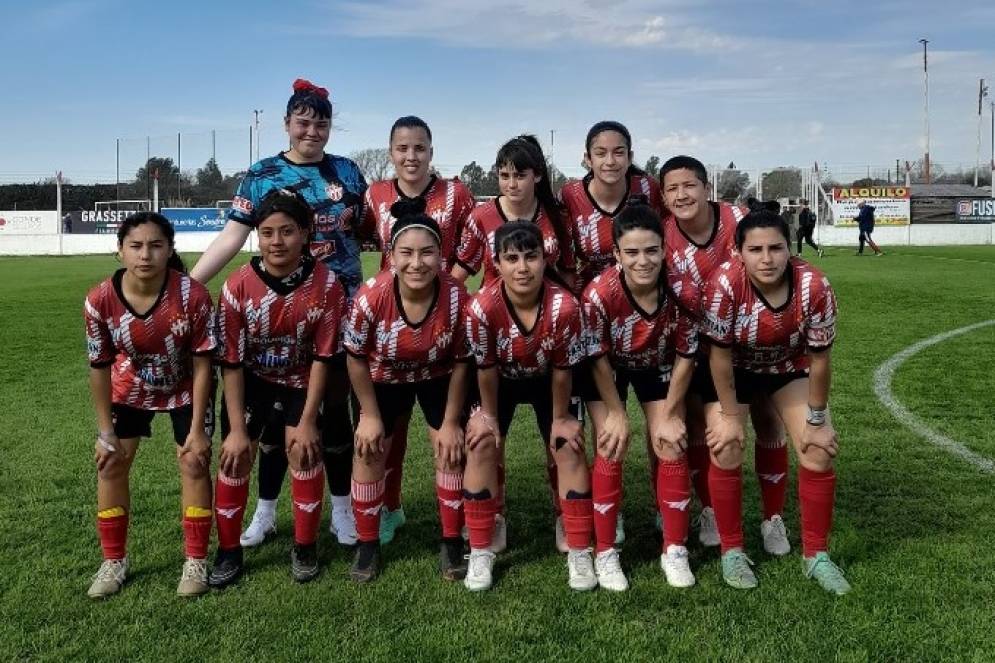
{"type": "Point", "coordinates": [677, 555]}
{"type": "Point", "coordinates": [608, 563]}
{"type": "Point", "coordinates": [777, 528]}
{"type": "Point", "coordinates": [195, 569]}
{"type": "Point", "coordinates": [580, 562]}
{"type": "Point", "coordinates": [111, 570]}
{"type": "Point", "coordinates": [480, 563]}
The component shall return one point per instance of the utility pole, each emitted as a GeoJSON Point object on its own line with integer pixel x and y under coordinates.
{"type": "Point", "coordinates": [982, 93]}
{"type": "Point", "coordinates": [925, 78]}
{"type": "Point", "coordinates": [257, 113]}
{"type": "Point", "coordinates": [992, 164]}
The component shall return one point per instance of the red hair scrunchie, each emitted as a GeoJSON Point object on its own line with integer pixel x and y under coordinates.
{"type": "Point", "coordinates": [304, 85]}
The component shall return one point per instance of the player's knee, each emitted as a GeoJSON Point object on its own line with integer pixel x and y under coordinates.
{"type": "Point", "coordinates": [483, 454]}
{"type": "Point", "coordinates": [816, 460]}
{"type": "Point", "coordinates": [114, 472]}
{"type": "Point", "coordinates": [194, 465]}
{"type": "Point", "coordinates": [570, 459]}
{"type": "Point", "coordinates": [729, 458]}
{"type": "Point", "coordinates": [668, 454]}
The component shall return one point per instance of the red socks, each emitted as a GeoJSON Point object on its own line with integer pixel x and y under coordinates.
{"type": "Point", "coordinates": [726, 487]}
{"type": "Point", "coordinates": [673, 498]}
{"type": "Point", "coordinates": [230, 496]}
{"type": "Point", "coordinates": [112, 527]}
{"type": "Point", "coordinates": [449, 491]}
{"type": "Point", "coordinates": [307, 487]}
{"type": "Point", "coordinates": [480, 520]}
{"type": "Point", "coordinates": [816, 495]}
{"type": "Point", "coordinates": [367, 499]}
{"type": "Point", "coordinates": [771, 464]}
{"type": "Point", "coordinates": [700, 462]}
{"type": "Point", "coordinates": [196, 531]}
{"type": "Point", "coordinates": [578, 522]}
{"type": "Point", "coordinates": [395, 466]}
{"type": "Point", "coordinates": [606, 490]}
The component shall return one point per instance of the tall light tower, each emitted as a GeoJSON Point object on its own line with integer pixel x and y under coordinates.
{"type": "Point", "coordinates": [257, 113]}
{"type": "Point", "coordinates": [982, 93]}
{"type": "Point", "coordinates": [925, 78]}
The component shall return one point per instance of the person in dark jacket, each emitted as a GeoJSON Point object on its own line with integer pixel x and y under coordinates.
{"type": "Point", "coordinates": [806, 228]}
{"type": "Point", "coordinates": [865, 223]}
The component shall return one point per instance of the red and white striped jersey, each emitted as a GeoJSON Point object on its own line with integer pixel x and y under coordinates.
{"type": "Point", "coordinates": [397, 349]}
{"type": "Point", "coordinates": [449, 202]}
{"type": "Point", "coordinates": [476, 248]}
{"type": "Point", "coordinates": [632, 337]}
{"type": "Point", "coordinates": [590, 227]}
{"type": "Point", "coordinates": [150, 355]}
{"type": "Point", "coordinates": [765, 339]}
{"type": "Point", "coordinates": [275, 327]}
{"type": "Point", "coordinates": [688, 264]}
{"type": "Point", "coordinates": [498, 337]}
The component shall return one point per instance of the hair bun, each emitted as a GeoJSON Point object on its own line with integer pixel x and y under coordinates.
{"type": "Point", "coordinates": [408, 207]}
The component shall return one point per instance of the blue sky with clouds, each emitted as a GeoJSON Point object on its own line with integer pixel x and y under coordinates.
{"type": "Point", "coordinates": [762, 83]}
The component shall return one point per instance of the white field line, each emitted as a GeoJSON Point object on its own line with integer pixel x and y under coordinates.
{"type": "Point", "coordinates": [882, 387]}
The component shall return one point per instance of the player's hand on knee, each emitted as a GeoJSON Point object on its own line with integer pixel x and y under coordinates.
{"type": "Point", "coordinates": [482, 427]}
{"type": "Point", "coordinates": [107, 451]}
{"type": "Point", "coordinates": [726, 431]}
{"type": "Point", "coordinates": [304, 440]}
{"type": "Point", "coordinates": [669, 437]}
{"type": "Point", "coordinates": [821, 437]}
{"type": "Point", "coordinates": [369, 436]}
{"type": "Point", "coordinates": [567, 431]}
{"type": "Point", "coordinates": [196, 447]}
{"type": "Point", "coordinates": [234, 459]}
{"type": "Point", "coordinates": [449, 443]}
{"type": "Point", "coordinates": [613, 438]}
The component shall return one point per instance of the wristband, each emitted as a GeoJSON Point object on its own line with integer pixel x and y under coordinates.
{"type": "Point", "coordinates": [105, 438]}
{"type": "Point", "coordinates": [816, 417]}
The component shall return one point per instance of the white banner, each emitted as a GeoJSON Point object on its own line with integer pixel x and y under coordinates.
{"type": "Point", "coordinates": [892, 205]}
{"type": "Point", "coordinates": [22, 222]}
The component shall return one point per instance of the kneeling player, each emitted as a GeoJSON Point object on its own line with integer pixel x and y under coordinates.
{"type": "Point", "coordinates": [278, 325]}
{"type": "Point", "coordinates": [150, 334]}
{"type": "Point", "coordinates": [771, 320]}
{"type": "Point", "coordinates": [406, 340]}
{"type": "Point", "coordinates": [635, 327]}
{"type": "Point", "coordinates": [526, 335]}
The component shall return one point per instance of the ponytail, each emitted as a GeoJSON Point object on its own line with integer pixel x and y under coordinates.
{"type": "Point", "coordinates": [176, 262]}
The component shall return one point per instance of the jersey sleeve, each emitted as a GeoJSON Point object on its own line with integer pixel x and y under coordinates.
{"type": "Point", "coordinates": [357, 338]}
{"type": "Point", "coordinates": [231, 329]}
{"type": "Point", "coordinates": [718, 309]}
{"type": "Point", "coordinates": [243, 205]}
{"type": "Point", "coordinates": [568, 343]}
{"type": "Point", "coordinates": [470, 255]}
{"type": "Point", "coordinates": [327, 337]}
{"type": "Point", "coordinates": [597, 327]}
{"type": "Point", "coordinates": [203, 339]}
{"type": "Point", "coordinates": [99, 344]}
{"type": "Point", "coordinates": [820, 329]}
{"type": "Point", "coordinates": [480, 338]}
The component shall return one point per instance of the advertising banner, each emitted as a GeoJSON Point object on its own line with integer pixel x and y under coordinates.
{"type": "Point", "coordinates": [86, 222]}
{"type": "Point", "coordinates": [892, 204]}
{"type": "Point", "coordinates": [28, 222]}
{"type": "Point", "coordinates": [976, 210]}
{"type": "Point", "coordinates": [195, 219]}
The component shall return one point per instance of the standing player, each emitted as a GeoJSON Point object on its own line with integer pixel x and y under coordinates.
{"type": "Point", "coordinates": [592, 203]}
{"type": "Point", "coordinates": [333, 186]}
{"type": "Point", "coordinates": [771, 321]}
{"type": "Point", "coordinates": [406, 340]}
{"type": "Point", "coordinates": [526, 335]}
{"type": "Point", "coordinates": [149, 336]}
{"type": "Point", "coordinates": [448, 202]}
{"type": "Point", "coordinates": [699, 235]}
{"type": "Point", "coordinates": [278, 325]}
{"type": "Point", "coordinates": [639, 334]}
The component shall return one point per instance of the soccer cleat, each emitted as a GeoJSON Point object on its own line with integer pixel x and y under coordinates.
{"type": "Point", "coordinates": [736, 570]}
{"type": "Point", "coordinates": [499, 541]}
{"type": "Point", "coordinates": [826, 573]}
{"type": "Point", "coordinates": [263, 525]}
{"type": "Point", "coordinates": [560, 536]}
{"type": "Point", "coordinates": [193, 581]}
{"type": "Point", "coordinates": [821, 253]}
{"type": "Point", "coordinates": [342, 525]}
{"type": "Point", "coordinates": [390, 521]}
{"type": "Point", "coordinates": [608, 568]}
{"type": "Point", "coordinates": [452, 561]}
{"type": "Point", "coordinates": [879, 254]}
{"type": "Point", "coordinates": [479, 570]}
{"type": "Point", "coordinates": [366, 563]}
{"type": "Point", "coordinates": [304, 562]}
{"type": "Point", "coordinates": [708, 531]}
{"type": "Point", "coordinates": [109, 578]}
{"type": "Point", "coordinates": [619, 530]}
{"type": "Point", "coordinates": [775, 536]}
{"type": "Point", "coordinates": [676, 568]}
{"type": "Point", "coordinates": [227, 568]}
{"type": "Point", "coordinates": [580, 564]}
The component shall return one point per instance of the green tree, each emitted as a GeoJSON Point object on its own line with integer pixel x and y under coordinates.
{"type": "Point", "coordinates": [652, 166]}
{"type": "Point", "coordinates": [782, 183]}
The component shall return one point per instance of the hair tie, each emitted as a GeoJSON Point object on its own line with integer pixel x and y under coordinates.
{"type": "Point", "coordinates": [304, 85]}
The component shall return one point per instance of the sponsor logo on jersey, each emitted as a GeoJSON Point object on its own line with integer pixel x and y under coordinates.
{"type": "Point", "coordinates": [243, 205]}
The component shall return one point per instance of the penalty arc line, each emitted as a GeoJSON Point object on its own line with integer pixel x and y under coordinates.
{"type": "Point", "coordinates": [882, 387]}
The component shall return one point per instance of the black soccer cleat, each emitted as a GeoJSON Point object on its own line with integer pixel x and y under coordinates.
{"type": "Point", "coordinates": [304, 562]}
{"type": "Point", "coordinates": [227, 568]}
{"type": "Point", "coordinates": [366, 563]}
{"type": "Point", "coordinates": [452, 559]}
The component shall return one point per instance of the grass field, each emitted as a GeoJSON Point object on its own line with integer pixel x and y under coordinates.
{"type": "Point", "coordinates": [914, 529]}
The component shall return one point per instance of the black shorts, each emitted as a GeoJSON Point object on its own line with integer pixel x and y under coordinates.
{"type": "Point", "coordinates": [649, 384]}
{"type": "Point", "coordinates": [130, 422]}
{"type": "Point", "coordinates": [267, 404]}
{"type": "Point", "coordinates": [702, 385]}
{"type": "Point", "coordinates": [749, 385]}
{"type": "Point", "coordinates": [396, 400]}
{"type": "Point", "coordinates": [537, 392]}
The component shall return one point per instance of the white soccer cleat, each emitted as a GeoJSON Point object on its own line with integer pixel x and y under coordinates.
{"type": "Point", "coordinates": [479, 570]}
{"type": "Point", "coordinates": [708, 531]}
{"type": "Point", "coordinates": [342, 525]}
{"type": "Point", "coordinates": [775, 536]}
{"type": "Point", "coordinates": [109, 578]}
{"type": "Point", "coordinates": [560, 536]}
{"type": "Point", "coordinates": [193, 580]}
{"type": "Point", "coordinates": [608, 568]}
{"type": "Point", "coordinates": [580, 564]}
{"type": "Point", "coordinates": [676, 568]}
{"type": "Point", "coordinates": [499, 541]}
{"type": "Point", "coordinates": [263, 525]}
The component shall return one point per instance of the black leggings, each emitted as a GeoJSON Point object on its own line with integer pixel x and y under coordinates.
{"type": "Point", "coordinates": [806, 235]}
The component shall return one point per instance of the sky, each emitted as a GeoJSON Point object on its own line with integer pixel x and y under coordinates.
{"type": "Point", "coordinates": [760, 84]}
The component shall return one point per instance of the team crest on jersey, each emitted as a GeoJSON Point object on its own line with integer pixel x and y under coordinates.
{"type": "Point", "coordinates": [180, 327]}
{"type": "Point", "coordinates": [334, 191]}
{"type": "Point", "coordinates": [443, 340]}
{"type": "Point", "coordinates": [313, 313]}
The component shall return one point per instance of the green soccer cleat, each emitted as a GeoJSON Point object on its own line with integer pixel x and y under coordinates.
{"type": "Point", "coordinates": [826, 573]}
{"type": "Point", "coordinates": [390, 521]}
{"type": "Point", "coordinates": [736, 570]}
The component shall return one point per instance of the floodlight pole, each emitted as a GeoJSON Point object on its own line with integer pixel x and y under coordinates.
{"type": "Point", "coordinates": [992, 163]}
{"type": "Point", "coordinates": [257, 113]}
{"type": "Point", "coordinates": [925, 77]}
{"type": "Point", "coordinates": [982, 93]}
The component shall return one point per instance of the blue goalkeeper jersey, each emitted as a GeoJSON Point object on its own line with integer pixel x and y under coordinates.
{"type": "Point", "coordinates": [334, 188]}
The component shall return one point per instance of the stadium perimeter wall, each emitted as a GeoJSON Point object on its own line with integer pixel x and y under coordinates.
{"type": "Point", "coordinates": [74, 245]}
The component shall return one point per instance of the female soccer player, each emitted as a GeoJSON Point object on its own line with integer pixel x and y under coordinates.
{"type": "Point", "coordinates": [448, 202]}
{"type": "Point", "coordinates": [699, 236]}
{"type": "Point", "coordinates": [278, 326]}
{"type": "Point", "coordinates": [591, 203]}
{"type": "Point", "coordinates": [526, 335]}
{"type": "Point", "coordinates": [771, 321]}
{"type": "Point", "coordinates": [526, 195]}
{"type": "Point", "coordinates": [405, 338]}
{"type": "Point", "coordinates": [150, 335]}
{"type": "Point", "coordinates": [333, 186]}
{"type": "Point", "coordinates": [636, 328]}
